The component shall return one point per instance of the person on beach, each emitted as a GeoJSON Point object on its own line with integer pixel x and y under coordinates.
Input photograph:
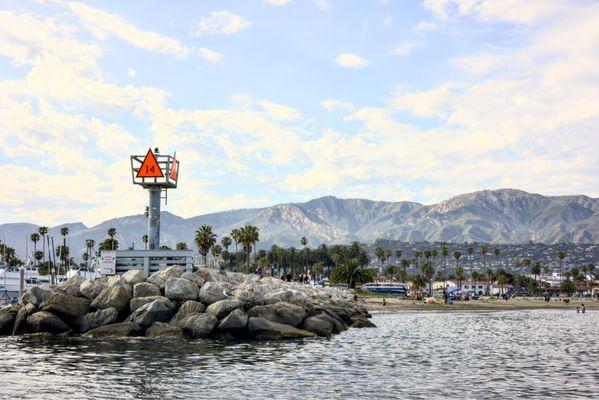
{"type": "Point", "coordinates": [577, 310]}
{"type": "Point", "coordinates": [583, 309]}
{"type": "Point", "coordinates": [445, 296]}
{"type": "Point", "coordinates": [384, 302]}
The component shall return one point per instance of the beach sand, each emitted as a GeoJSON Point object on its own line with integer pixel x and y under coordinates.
{"type": "Point", "coordinates": [375, 303]}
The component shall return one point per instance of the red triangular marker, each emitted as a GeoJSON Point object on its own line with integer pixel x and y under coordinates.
{"type": "Point", "coordinates": [174, 168]}
{"type": "Point", "coordinates": [149, 167]}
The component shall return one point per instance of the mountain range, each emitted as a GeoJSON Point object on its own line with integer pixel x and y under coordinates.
{"type": "Point", "coordinates": [492, 216]}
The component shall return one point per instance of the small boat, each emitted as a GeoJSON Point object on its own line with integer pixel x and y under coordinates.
{"type": "Point", "coordinates": [385, 287]}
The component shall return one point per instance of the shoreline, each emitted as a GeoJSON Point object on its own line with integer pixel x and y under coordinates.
{"type": "Point", "coordinates": [374, 303]}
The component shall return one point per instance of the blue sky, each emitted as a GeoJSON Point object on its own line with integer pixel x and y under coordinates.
{"type": "Point", "coordinates": [279, 100]}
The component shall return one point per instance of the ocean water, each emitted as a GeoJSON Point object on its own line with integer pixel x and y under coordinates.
{"type": "Point", "coordinates": [535, 354]}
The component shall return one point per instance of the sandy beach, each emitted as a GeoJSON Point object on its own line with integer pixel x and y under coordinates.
{"type": "Point", "coordinates": [375, 303]}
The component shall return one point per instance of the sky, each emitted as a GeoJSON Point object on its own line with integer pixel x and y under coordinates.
{"type": "Point", "coordinates": [272, 101]}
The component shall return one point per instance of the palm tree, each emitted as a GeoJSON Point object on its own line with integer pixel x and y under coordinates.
{"type": "Point", "coordinates": [497, 253]}
{"type": "Point", "coordinates": [459, 273]}
{"type": "Point", "coordinates": [144, 239]}
{"type": "Point", "coordinates": [249, 236]}
{"type": "Point", "coordinates": [34, 237]}
{"type": "Point", "coordinates": [483, 251]}
{"type": "Point", "coordinates": [236, 235]}
{"type": "Point", "coordinates": [536, 270]}
{"type": "Point", "coordinates": [89, 244]}
{"type": "Point", "coordinates": [398, 254]}
{"type": "Point", "coordinates": [418, 282]}
{"type": "Point", "coordinates": [429, 272]}
{"type": "Point", "coordinates": [490, 277]}
{"type": "Point", "coordinates": [111, 232]}
{"type": "Point", "coordinates": [226, 242]}
{"type": "Point", "coordinates": [502, 278]}
{"type": "Point", "coordinates": [444, 253]}
{"type": "Point", "coordinates": [43, 231]}
{"type": "Point", "coordinates": [379, 252]}
{"type": "Point", "coordinates": [64, 231]}
{"type": "Point", "coordinates": [470, 251]}
{"type": "Point", "coordinates": [560, 256]}
{"type": "Point", "coordinates": [304, 242]}
{"type": "Point", "coordinates": [204, 240]}
{"type": "Point", "coordinates": [351, 272]}
{"type": "Point", "coordinates": [216, 251]}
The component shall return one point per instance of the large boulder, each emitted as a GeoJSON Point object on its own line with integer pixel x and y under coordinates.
{"type": "Point", "coordinates": [180, 289]}
{"type": "Point", "coordinates": [264, 329]}
{"type": "Point", "coordinates": [360, 321]}
{"type": "Point", "coordinates": [160, 330]}
{"type": "Point", "coordinates": [141, 301]}
{"type": "Point", "coordinates": [282, 313]}
{"type": "Point", "coordinates": [120, 330]}
{"type": "Point", "coordinates": [72, 286]}
{"type": "Point", "coordinates": [20, 325]}
{"type": "Point", "coordinates": [36, 295]}
{"type": "Point", "coordinates": [65, 304]}
{"type": "Point", "coordinates": [211, 292]}
{"type": "Point", "coordinates": [336, 322]}
{"type": "Point", "coordinates": [134, 276]}
{"type": "Point", "coordinates": [93, 320]}
{"type": "Point", "coordinates": [43, 321]}
{"type": "Point", "coordinates": [159, 278]}
{"type": "Point", "coordinates": [222, 308]}
{"type": "Point", "coordinates": [279, 295]}
{"type": "Point", "coordinates": [199, 325]}
{"type": "Point", "coordinates": [91, 288]}
{"type": "Point", "coordinates": [145, 289]}
{"type": "Point", "coordinates": [156, 311]}
{"type": "Point", "coordinates": [236, 321]}
{"type": "Point", "coordinates": [117, 280]}
{"type": "Point", "coordinates": [195, 278]}
{"type": "Point", "coordinates": [188, 308]}
{"type": "Point", "coordinates": [318, 326]}
{"type": "Point", "coordinates": [116, 296]}
{"type": "Point", "coordinates": [7, 322]}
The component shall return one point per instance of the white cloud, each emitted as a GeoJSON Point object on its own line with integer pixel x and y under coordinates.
{"type": "Point", "coordinates": [402, 49]}
{"type": "Point", "coordinates": [349, 60]}
{"type": "Point", "coordinates": [324, 5]}
{"type": "Point", "coordinates": [426, 26]}
{"type": "Point", "coordinates": [280, 111]}
{"type": "Point", "coordinates": [103, 24]}
{"type": "Point", "coordinates": [220, 23]}
{"type": "Point", "coordinates": [211, 55]}
{"type": "Point", "coordinates": [333, 105]}
{"type": "Point", "coordinates": [278, 3]}
{"type": "Point", "coordinates": [132, 73]}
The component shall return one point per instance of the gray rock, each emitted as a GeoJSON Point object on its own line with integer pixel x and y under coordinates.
{"type": "Point", "coordinates": [188, 308]}
{"type": "Point", "coordinates": [118, 280]}
{"type": "Point", "coordinates": [211, 292]}
{"type": "Point", "coordinates": [146, 315]}
{"type": "Point", "coordinates": [65, 304]}
{"type": "Point", "coordinates": [336, 322]}
{"type": "Point", "coordinates": [360, 321]}
{"type": "Point", "coordinates": [237, 320]}
{"type": "Point", "coordinates": [180, 289]}
{"type": "Point", "coordinates": [159, 278]}
{"type": "Point", "coordinates": [222, 308]}
{"type": "Point", "coordinates": [36, 295]}
{"type": "Point", "coordinates": [160, 330]}
{"type": "Point", "coordinates": [199, 325]}
{"type": "Point", "coordinates": [115, 296]}
{"type": "Point", "coordinates": [20, 325]}
{"type": "Point", "coordinates": [205, 274]}
{"type": "Point", "coordinates": [141, 301]}
{"type": "Point", "coordinates": [280, 295]}
{"type": "Point", "coordinates": [72, 286]}
{"type": "Point", "coordinates": [264, 329]}
{"type": "Point", "coordinates": [318, 326]}
{"type": "Point", "coordinates": [145, 289]}
{"type": "Point", "coordinates": [282, 313]}
{"type": "Point", "coordinates": [91, 288]}
{"type": "Point", "coordinates": [7, 322]}
{"type": "Point", "coordinates": [120, 330]}
{"type": "Point", "coordinates": [43, 321]}
{"type": "Point", "coordinates": [134, 276]}
{"type": "Point", "coordinates": [195, 278]}
{"type": "Point", "coordinates": [93, 320]}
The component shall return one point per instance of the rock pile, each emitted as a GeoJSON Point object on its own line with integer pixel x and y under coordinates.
{"type": "Point", "coordinates": [173, 303]}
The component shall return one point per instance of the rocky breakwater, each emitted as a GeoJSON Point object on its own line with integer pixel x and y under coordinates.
{"type": "Point", "coordinates": [172, 303]}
